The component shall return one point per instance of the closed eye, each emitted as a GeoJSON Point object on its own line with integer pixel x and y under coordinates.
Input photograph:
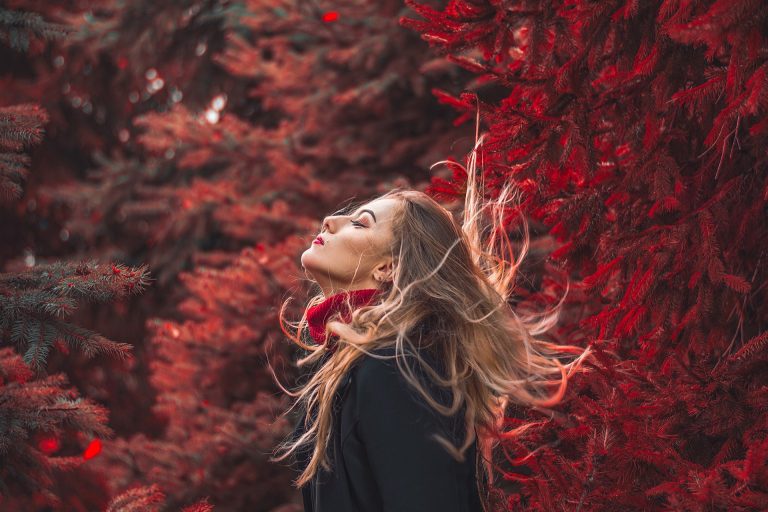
{"type": "Point", "coordinates": [355, 223]}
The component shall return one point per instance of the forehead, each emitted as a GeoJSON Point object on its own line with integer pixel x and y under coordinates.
{"type": "Point", "coordinates": [382, 208]}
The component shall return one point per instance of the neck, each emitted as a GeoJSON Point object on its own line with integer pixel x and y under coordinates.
{"type": "Point", "coordinates": [329, 290]}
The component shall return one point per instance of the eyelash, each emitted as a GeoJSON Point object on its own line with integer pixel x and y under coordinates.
{"type": "Point", "coordinates": [354, 223]}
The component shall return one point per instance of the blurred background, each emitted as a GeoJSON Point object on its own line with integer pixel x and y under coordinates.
{"type": "Point", "coordinates": [206, 140]}
{"type": "Point", "coordinates": [173, 159]}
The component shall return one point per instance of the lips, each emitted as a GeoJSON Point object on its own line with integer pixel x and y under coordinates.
{"type": "Point", "coordinates": [319, 240]}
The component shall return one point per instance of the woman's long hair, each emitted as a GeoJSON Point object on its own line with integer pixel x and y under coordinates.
{"type": "Point", "coordinates": [451, 279]}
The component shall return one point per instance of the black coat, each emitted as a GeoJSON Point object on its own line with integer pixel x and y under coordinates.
{"type": "Point", "coordinates": [381, 455]}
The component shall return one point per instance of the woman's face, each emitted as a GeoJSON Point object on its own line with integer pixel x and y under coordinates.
{"type": "Point", "coordinates": [355, 249]}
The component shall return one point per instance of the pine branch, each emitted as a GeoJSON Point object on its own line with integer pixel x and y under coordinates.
{"type": "Point", "coordinates": [149, 498]}
{"type": "Point", "coordinates": [15, 26]}
{"type": "Point", "coordinates": [33, 408]}
{"type": "Point", "coordinates": [32, 304]}
{"type": "Point", "coordinates": [20, 127]}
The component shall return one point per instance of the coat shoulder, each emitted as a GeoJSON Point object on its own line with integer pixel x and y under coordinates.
{"type": "Point", "coordinates": [377, 376]}
{"type": "Point", "coordinates": [385, 366]}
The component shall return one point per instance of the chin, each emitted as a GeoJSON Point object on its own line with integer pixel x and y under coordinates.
{"type": "Point", "coordinates": [304, 259]}
{"type": "Point", "coordinates": [311, 266]}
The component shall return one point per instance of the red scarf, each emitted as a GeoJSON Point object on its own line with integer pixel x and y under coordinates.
{"type": "Point", "coordinates": [318, 315]}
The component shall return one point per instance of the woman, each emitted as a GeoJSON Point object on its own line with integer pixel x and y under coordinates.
{"type": "Point", "coordinates": [414, 353]}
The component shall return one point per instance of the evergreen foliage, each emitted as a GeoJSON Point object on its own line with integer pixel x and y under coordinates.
{"type": "Point", "coordinates": [637, 133]}
{"type": "Point", "coordinates": [205, 140]}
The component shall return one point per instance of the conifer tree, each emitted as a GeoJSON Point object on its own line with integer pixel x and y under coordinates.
{"type": "Point", "coordinates": [47, 425]}
{"type": "Point", "coordinates": [260, 182]}
{"type": "Point", "coordinates": [219, 134]}
{"type": "Point", "coordinates": [637, 132]}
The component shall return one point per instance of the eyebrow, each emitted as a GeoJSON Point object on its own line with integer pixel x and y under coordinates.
{"type": "Point", "coordinates": [369, 211]}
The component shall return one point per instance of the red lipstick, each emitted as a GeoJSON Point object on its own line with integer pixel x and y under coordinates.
{"type": "Point", "coordinates": [319, 240]}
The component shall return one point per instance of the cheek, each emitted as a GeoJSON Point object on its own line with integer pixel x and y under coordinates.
{"type": "Point", "coordinates": [360, 242]}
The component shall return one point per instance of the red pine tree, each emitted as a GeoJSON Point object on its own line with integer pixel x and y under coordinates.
{"type": "Point", "coordinates": [208, 140]}
{"type": "Point", "coordinates": [637, 132]}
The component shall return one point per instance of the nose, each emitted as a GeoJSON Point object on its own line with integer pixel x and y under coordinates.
{"type": "Point", "coordinates": [327, 224]}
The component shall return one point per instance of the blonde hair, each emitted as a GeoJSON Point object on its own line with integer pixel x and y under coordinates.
{"type": "Point", "coordinates": [453, 280]}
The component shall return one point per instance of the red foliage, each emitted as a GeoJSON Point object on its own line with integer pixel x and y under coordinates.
{"type": "Point", "coordinates": [637, 132]}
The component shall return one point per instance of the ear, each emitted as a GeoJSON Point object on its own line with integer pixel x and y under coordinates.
{"type": "Point", "coordinates": [383, 272]}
